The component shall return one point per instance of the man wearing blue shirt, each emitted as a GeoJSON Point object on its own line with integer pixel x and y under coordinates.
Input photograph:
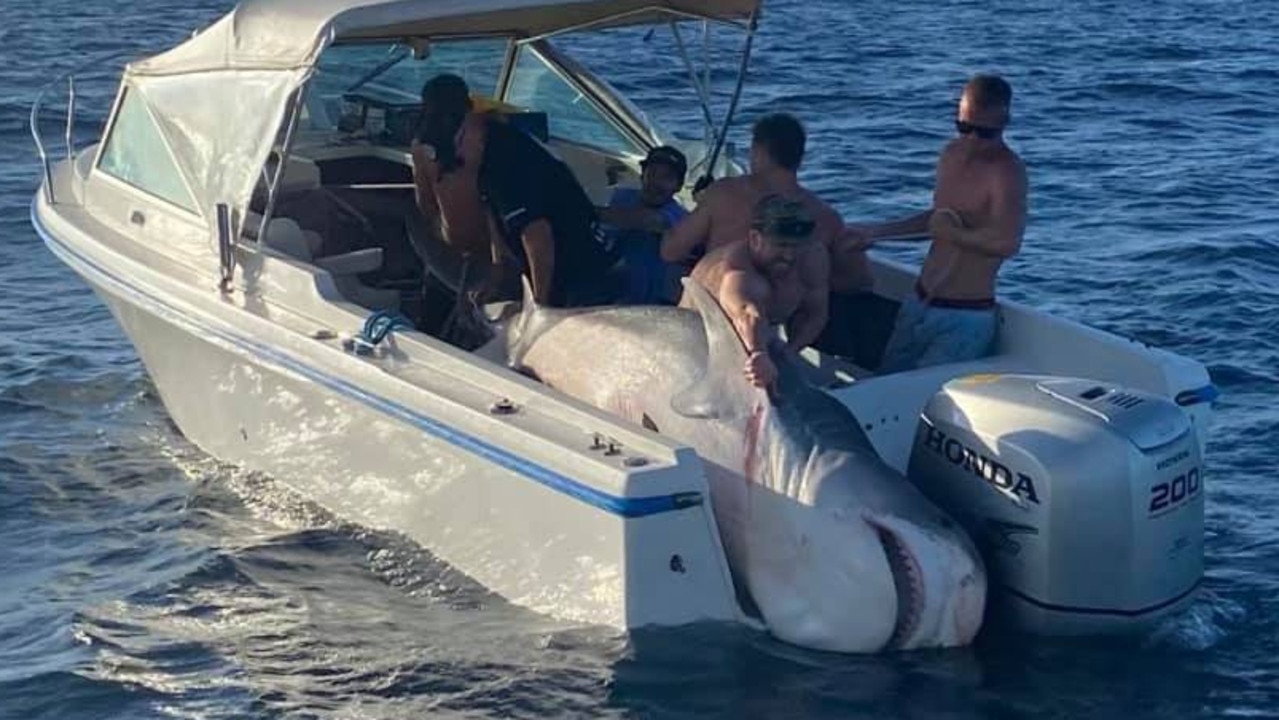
{"type": "Point", "coordinates": [638, 217]}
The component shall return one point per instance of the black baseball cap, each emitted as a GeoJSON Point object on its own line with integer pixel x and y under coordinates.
{"type": "Point", "coordinates": [667, 155]}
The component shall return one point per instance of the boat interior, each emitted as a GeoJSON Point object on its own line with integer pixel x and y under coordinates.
{"type": "Point", "coordinates": [344, 201]}
{"type": "Point", "coordinates": [344, 207]}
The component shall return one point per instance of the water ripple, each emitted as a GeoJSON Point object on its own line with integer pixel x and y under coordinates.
{"type": "Point", "coordinates": [144, 579]}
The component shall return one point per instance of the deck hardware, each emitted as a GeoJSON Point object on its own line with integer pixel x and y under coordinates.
{"type": "Point", "coordinates": [687, 499]}
{"type": "Point", "coordinates": [380, 325]}
{"type": "Point", "coordinates": [503, 407]}
{"type": "Point", "coordinates": [37, 109]}
{"type": "Point", "coordinates": [597, 442]}
{"type": "Point", "coordinates": [226, 247]}
{"type": "Point", "coordinates": [70, 132]}
{"type": "Point", "coordinates": [614, 447]}
{"type": "Point", "coordinates": [677, 564]}
{"type": "Point", "coordinates": [356, 345]}
{"type": "Point", "coordinates": [635, 462]}
{"type": "Point", "coordinates": [323, 334]}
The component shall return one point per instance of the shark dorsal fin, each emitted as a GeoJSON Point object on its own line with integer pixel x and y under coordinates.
{"type": "Point", "coordinates": [518, 333]}
{"type": "Point", "coordinates": [722, 379]}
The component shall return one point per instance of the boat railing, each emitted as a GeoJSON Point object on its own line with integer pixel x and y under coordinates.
{"type": "Point", "coordinates": [43, 147]}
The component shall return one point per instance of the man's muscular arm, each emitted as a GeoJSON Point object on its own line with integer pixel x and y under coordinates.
{"type": "Point", "coordinates": [744, 296]}
{"type": "Point", "coordinates": [425, 171]}
{"type": "Point", "coordinates": [695, 229]}
{"type": "Point", "coordinates": [912, 227]}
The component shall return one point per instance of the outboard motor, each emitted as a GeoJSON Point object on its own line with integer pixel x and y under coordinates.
{"type": "Point", "coordinates": [1086, 499]}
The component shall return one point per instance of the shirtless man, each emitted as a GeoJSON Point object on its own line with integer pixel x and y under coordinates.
{"type": "Point", "coordinates": [721, 217]}
{"type": "Point", "coordinates": [759, 284]}
{"type": "Point", "coordinates": [447, 188]}
{"type": "Point", "coordinates": [976, 222]}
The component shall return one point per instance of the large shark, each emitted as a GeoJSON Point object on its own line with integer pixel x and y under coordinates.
{"type": "Point", "coordinates": [835, 549]}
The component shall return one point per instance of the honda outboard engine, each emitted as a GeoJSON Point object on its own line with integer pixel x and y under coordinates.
{"type": "Point", "coordinates": [1086, 499]}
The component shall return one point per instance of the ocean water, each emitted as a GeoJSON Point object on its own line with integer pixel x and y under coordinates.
{"type": "Point", "coordinates": [142, 579]}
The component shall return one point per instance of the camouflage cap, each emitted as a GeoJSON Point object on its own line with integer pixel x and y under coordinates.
{"type": "Point", "coordinates": [783, 219]}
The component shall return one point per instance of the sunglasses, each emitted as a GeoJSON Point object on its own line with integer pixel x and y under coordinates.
{"type": "Point", "coordinates": [985, 133]}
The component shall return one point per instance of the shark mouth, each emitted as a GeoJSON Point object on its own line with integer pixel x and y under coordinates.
{"type": "Point", "coordinates": [909, 581]}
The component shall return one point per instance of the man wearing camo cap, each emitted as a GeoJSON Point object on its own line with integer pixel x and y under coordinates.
{"type": "Point", "coordinates": [776, 275]}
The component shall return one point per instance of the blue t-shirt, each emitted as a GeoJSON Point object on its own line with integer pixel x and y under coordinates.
{"type": "Point", "coordinates": [649, 279]}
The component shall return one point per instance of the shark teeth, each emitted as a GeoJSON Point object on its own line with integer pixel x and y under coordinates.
{"type": "Point", "coordinates": [909, 581]}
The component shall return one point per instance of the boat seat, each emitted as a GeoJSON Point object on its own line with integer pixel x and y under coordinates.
{"type": "Point", "coordinates": [285, 236]}
{"type": "Point", "coordinates": [300, 174]}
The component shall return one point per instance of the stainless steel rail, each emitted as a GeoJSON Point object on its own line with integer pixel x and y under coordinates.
{"type": "Point", "coordinates": [69, 134]}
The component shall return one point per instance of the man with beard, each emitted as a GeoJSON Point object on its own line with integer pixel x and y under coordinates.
{"type": "Point", "coordinates": [638, 218]}
{"type": "Point", "coordinates": [495, 185]}
{"type": "Point", "coordinates": [759, 284]}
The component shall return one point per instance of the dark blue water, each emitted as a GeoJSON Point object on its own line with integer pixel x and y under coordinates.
{"type": "Point", "coordinates": [140, 579]}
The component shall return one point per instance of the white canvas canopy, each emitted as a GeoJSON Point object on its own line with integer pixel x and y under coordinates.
{"type": "Point", "coordinates": [221, 97]}
{"type": "Point", "coordinates": [290, 34]}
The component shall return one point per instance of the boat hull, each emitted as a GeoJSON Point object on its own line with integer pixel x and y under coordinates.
{"type": "Point", "coordinates": [542, 540]}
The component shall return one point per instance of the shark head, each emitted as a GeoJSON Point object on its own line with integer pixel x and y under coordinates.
{"type": "Point", "coordinates": [838, 550]}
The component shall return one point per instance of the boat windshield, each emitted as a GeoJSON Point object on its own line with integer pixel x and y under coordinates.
{"type": "Point", "coordinates": [682, 75]}
{"type": "Point", "coordinates": [389, 72]}
{"type": "Point", "coordinates": [582, 107]}
{"type": "Point", "coordinates": [573, 115]}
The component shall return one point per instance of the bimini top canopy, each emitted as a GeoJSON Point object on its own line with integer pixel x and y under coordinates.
{"type": "Point", "coordinates": [285, 34]}
{"type": "Point", "coordinates": [221, 97]}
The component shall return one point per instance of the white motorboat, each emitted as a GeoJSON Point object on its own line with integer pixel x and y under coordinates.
{"type": "Point", "coordinates": [1073, 456]}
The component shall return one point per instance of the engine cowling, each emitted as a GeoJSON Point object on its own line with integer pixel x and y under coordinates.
{"type": "Point", "coordinates": [1086, 499]}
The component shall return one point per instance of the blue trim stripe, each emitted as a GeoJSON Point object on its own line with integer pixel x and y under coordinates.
{"type": "Point", "coordinates": [622, 506]}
